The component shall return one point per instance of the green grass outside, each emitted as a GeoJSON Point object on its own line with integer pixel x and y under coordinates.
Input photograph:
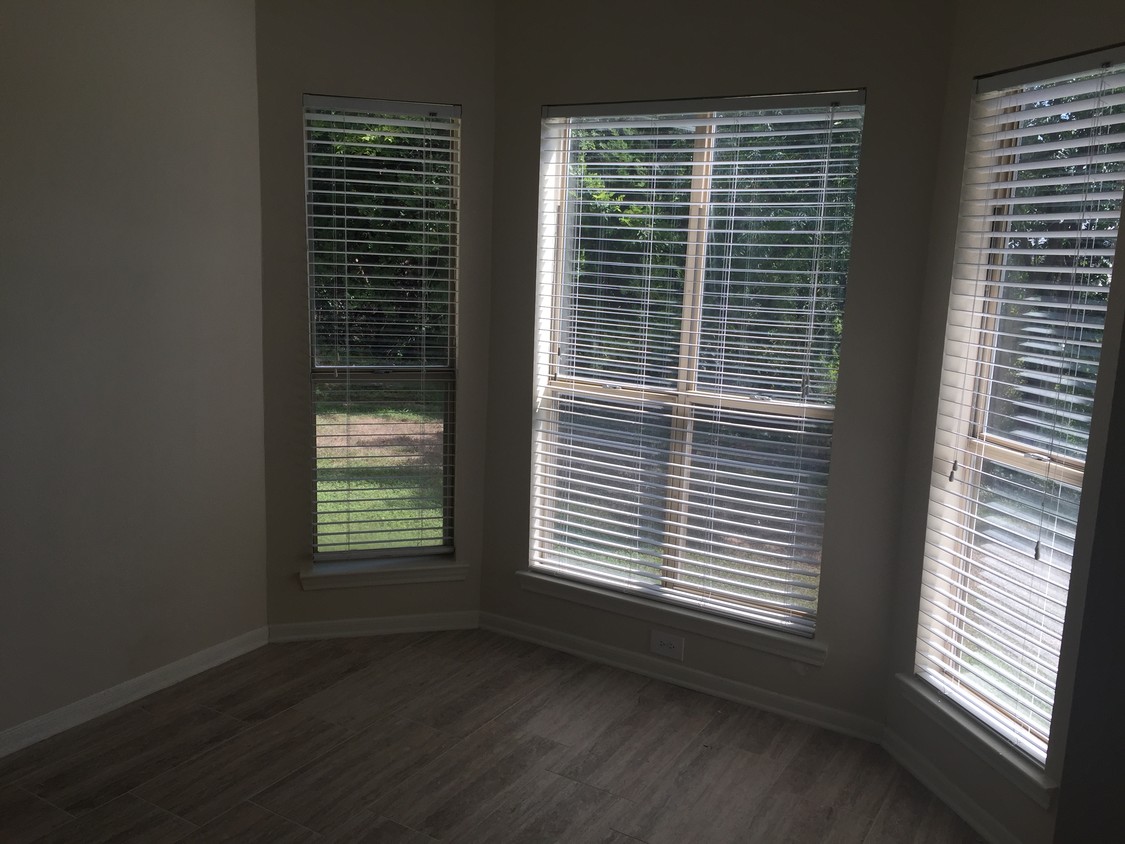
{"type": "Point", "coordinates": [380, 481]}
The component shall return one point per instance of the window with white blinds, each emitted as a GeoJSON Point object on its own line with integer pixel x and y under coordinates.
{"type": "Point", "coordinates": [381, 194]}
{"type": "Point", "coordinates": [692, 266]}
{"type": "Point", "coordinates": [1040, 211]}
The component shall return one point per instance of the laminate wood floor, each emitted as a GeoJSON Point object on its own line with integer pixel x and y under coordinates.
{"type": "Point", "coordinates": [463, 736]}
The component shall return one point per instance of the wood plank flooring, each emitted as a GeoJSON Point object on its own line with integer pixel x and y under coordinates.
{"type": "Point", "coordinates": [463, 736]}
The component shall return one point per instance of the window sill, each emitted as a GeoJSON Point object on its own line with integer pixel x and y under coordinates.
{"type": "Point", "coordinates": [791, 647]}
{"type": "Point", "coordinates": [1001, 756]}
{"type": "Point", "coordinates": [356, 573]}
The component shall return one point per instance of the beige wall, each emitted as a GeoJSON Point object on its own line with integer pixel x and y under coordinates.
{"type": "Point", "coordinates": [132, 506]}
{"type": "Point", "coordinates": [1090, 805]}
{"type": "Point", "coordinates": [389, 51]}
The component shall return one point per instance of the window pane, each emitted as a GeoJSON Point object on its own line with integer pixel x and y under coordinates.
{"type": "Point", "coordinates": [1057, 252]}
{"type": "Point", "coordinates": [381, 243]}
{"type": "Point", "coordinates": [755, 508]}
{"type": "Point", "coordinates": [382, 477]}
{"type": "Point", "coordinates": [627, 192]}
{"type": "Point", "coordinates": [600, 488]}
{"type": "Point", "coordinates": [777, 255]}
{"type": "Point", "coordinates": [1016, 584]}
{"type": "Point", "coordinates": [1045, 368]}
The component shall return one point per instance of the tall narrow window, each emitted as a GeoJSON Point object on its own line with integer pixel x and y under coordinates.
{"type": "Point", "coordinates": [1041, 206]}
{"type": "Point", "coordinates": [692, 267]}
{"type": "Point", "coordinates": [381, 187]}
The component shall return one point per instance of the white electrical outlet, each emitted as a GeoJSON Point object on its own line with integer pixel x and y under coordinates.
{"type": "Point", "coordinates": [667, 644]}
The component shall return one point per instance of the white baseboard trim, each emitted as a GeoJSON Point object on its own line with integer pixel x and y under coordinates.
{"type": "Point", "coordinates": [949, 792]}
{"type": "Point", "coordinates": [661, 669]}
{"type": "Point", "coordinates": [21, 735]}
{"type": "Point", "coordinates": [345, 627]}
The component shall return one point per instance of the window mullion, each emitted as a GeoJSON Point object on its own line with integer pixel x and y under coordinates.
{"type": "Point", "coordinates": [560, 256]}
{"type": "Point", "coordinates": [728, 401]}
{"type": "Point", "coordinates": [699, 212]}
{"type": "Point", "coordinates": [687, 359]}
{"type": "Point", "coordinates": [1031, 462]}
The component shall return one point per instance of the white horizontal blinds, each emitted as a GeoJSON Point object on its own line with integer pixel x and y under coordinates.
{"type": "Point", "coordinates": [381, 187]}
{"type": "Point", "coordinates": [692, 270]}
{"type": "Point", "coordinates": [1040, 212]}
{"type": "Point", "coordinates": [780, 231]}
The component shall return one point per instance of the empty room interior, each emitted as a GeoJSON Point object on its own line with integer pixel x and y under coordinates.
{"type": "Point", "coordinates": [168, 509]}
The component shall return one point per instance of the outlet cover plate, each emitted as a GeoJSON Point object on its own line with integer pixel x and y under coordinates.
{"type": "Point", "coordinates": [666, 644]}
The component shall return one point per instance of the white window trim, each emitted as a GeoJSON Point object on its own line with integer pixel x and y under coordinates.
{"type": "Point", "coordinates": [359, 573]}
{"type": "Point", "coordinates": [685, 398]}
{"type": "Point", "coordinates": [335, 569]}
{"type": "Point", "coordinates": [1004, 758]}
{"type": "Point", "coordinates": [797, 649]}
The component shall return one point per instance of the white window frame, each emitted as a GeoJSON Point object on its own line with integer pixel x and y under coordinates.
{"type": "Point", "coordinates": [965, 445]}
{"type": "Point", "coordinates": [682, 400]}
{"type": "Point", "coordinates": [367, 553]}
